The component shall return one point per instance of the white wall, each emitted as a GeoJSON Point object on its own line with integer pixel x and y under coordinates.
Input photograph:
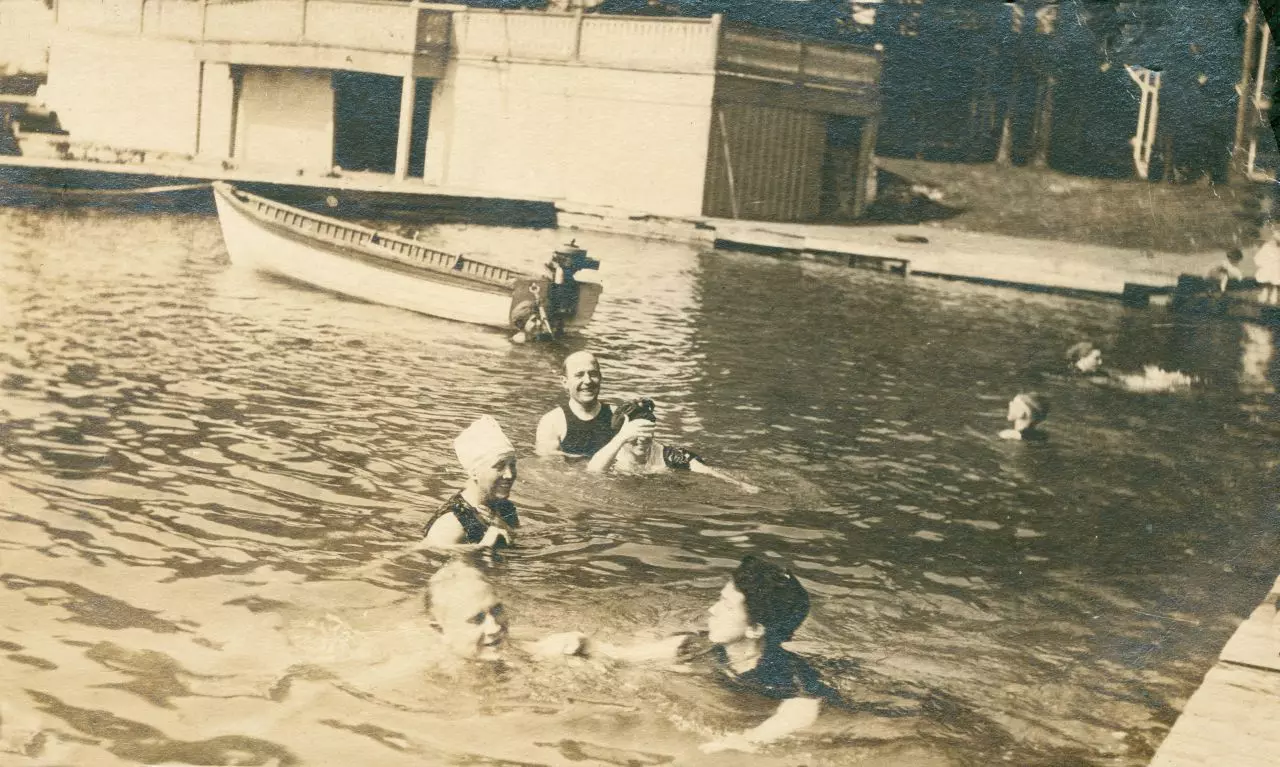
{"type": "Point", "coordinates": [629, 139]}
{"type": "Point", "coordinates": [26, 27]}
{"type": "Point", "coordinates": [216, 94]}
{"type": "Point", "coordinates": [285, 119]}
{"type": "Point", "coordinates": [128, 93]}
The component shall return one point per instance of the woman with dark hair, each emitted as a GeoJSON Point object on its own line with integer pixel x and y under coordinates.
{"type": "Point", "coordinates": [758, 609]}
{"type": "Point", "coordinates": [633, 451]}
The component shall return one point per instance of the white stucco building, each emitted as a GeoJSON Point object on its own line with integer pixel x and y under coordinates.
{"type": "Point", "coordinates": [668, 116]}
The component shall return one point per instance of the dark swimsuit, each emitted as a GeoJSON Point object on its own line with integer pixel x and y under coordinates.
{"type": "Point", "coordinates": [474, 524]}
{"type": "Point", "coordinates": [584, 438]}
{"type": "Point", "coordinates": [778, 675]}
{"type": "Point", "coordinates": [678, 457]}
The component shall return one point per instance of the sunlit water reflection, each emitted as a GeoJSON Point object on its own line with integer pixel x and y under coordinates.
{"type": "Point", "coordinates": [209, 478]}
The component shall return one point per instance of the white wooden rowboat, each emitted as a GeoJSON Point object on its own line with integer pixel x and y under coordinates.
{"type": "Point", "coordinates": [385, 268]}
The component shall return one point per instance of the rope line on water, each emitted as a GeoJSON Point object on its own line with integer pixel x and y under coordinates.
{"type": "Point", "coordinates": [105, 192]}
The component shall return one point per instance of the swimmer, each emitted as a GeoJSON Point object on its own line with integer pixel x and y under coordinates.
{"type": "Point", "coordinates": [472, 621]}
{"type": "Point", "coordinates": [758, 609]}
{"type": "Point", "coordinates": [633, 450]}
{"type": "Point", "coordinates": [480, 516]}
{"type": "Point", "coordinates": [1084, 357]}
{"type": "Point", "coordinates": [583, 425]}
{"type": "Point", "coordinates": [1026, 413]}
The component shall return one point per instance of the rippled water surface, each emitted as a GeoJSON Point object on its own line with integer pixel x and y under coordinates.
{"type": "Point", "coordinates": [209, 479]}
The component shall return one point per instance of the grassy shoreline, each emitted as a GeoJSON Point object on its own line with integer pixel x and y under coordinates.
{"type": "Point", "coordinates": [1046, 204]}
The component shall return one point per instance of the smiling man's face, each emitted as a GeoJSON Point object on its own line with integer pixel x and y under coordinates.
{"type": "Point", "coordinates": [582, 378]}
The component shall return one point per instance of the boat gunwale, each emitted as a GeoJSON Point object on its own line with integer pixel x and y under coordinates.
{"type": "Point", "coordinates": [365, 252]}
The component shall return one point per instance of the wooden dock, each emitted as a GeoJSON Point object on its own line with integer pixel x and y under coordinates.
{"type": "Point", "coordinates": [1232, 719]}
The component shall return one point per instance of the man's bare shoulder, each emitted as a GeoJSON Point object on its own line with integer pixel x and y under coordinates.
{"type": "Point", "coordinates": [553, 417]}
{"type": "Point", "coordinates": [552, 428]}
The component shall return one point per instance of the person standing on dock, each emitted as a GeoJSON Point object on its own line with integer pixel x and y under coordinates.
{"type": "Point", "coordinates": [1267, 261]}
{"type": "Point", "coordinates": [583, 424]}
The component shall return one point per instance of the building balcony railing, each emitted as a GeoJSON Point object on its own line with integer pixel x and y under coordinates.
{"type": "Point", "coordinates": [665, 44]}
{"type": "Point", "coordinates": [369, 25]}
{"type": "Point", "coordinates": [757, 53]}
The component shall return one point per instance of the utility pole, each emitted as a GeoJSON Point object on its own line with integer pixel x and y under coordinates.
{"type": "Point", "coordinates": [1243, 89]}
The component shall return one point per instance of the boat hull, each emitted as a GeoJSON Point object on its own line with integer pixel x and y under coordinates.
{"type": "Point", "coordinates": [370, 266]}
{"type": "Point", "coordinates": [255, 246]}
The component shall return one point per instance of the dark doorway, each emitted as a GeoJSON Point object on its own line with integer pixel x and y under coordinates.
{"type": "Point", "coordinates": [366, 115]}
{"type": "Point", "coordinates": [840, 167]}
{"type": "Point", "coordinates": [366, 121]}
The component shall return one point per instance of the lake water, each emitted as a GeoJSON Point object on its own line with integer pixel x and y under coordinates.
{"type": "Point", "coordinates": [208, 480]}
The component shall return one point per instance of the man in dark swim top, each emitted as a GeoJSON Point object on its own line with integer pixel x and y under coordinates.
{"type": "Point", "coordinates": [583, 425]}
{"type": "Point", "coordinates": [759, 608]}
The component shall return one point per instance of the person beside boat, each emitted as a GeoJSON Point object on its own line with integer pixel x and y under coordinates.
{"type": "Point", "coordinates": [633, 450]}
{"type": "Point", "coordinates": [480, 516]}
{"type": "Point", "coordinates": [1267, 261]}
{"type": "Point", "coordinates": [583, 424]}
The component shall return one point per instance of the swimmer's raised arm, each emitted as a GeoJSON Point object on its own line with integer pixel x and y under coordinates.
{"type": "Point", "coordinates": [632, 429]}
{"type": "Point", "coordinates": [551, 431]}
{"type": "Point", "coordinates": [793, 714]}
{"type": "Point", "coordinates": [698, 467]}
{"type": "Point", "coordinates": [665, 650]}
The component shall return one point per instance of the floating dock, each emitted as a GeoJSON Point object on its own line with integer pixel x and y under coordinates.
{"type": "Point", "coordinates": [1232, 719]}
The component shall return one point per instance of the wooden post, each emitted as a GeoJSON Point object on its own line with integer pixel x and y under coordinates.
{"type": "Point", "coordinates": [716, 20]}
{"type": "Point", "coordinates": [1261, 103]}
{"type": "Point", "coordinates": [577, 34]}
{"type": "Point", "coordinates": [1242, 89]}
{"type": "Point", "coordinates": [404, 134]}
{"type": "Point", "coordinates": [728, 164]}
{"type": "Point", "coordinates": [864, 189]}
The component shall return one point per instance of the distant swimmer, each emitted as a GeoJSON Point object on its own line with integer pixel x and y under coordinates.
{"type": "Point", "coordinates": [1026, 413]}
{"type": "Point", "coordinates": [633, 450]}
{"type": "Point", "coordinates": [583, 425]}
{"type": "Point", "coordinates": [759, 609]}
{"type": "Point", "coordinates": [472, 620]}
{"type": "Point", "coordinates": [1084, 357]}
{"type": "Point", "coordinates": [480, 515]}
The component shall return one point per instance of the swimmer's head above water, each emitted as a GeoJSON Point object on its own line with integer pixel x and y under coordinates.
{"type": "Point", "coordinates": [1026, 412]}
{"type": "Point", "coordinates": [467, 611]}
{"type": "Point", "coordinates": [1084, 357]}
{"type": "Point", "coordinates": [634, 410]}
{"type": "Point", "coordinates": [581, 378]}
{"type": "Point", "coordinates": [488, 458]}
{"type": "Point", "coordinates": [761, 602]}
